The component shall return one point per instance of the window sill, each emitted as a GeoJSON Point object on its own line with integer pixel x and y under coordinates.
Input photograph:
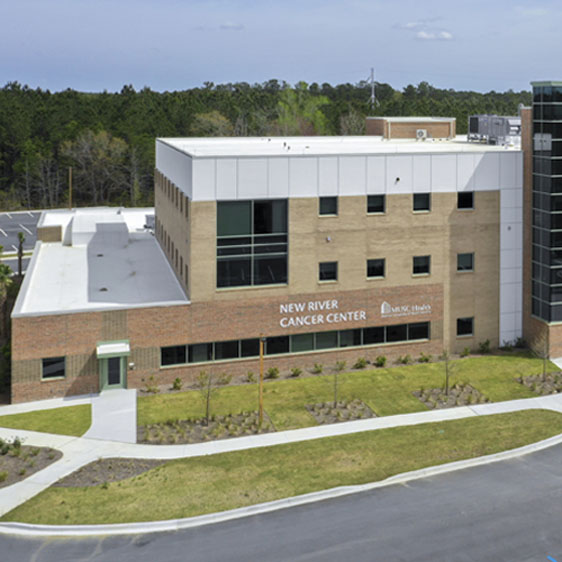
{"type": "Point", "coordinates": [375, 213]}
{"type": "Point", "coordinates": [422, 212]}
{"type": "Point", "coordinates": [466, 209]}
{"type": "Point", "coordinates": [327, 215]}
{"type": "Point", "coordinates": [463, 271]}
{"type": "Point", "coordinates": [327, 281]}
{"type": "Point", "coordinates": [251, 287]}
{"type": "Point", "coordinates": [464, 336]}
{"type": "Point", "coordinates": [49, 379]}
{"type": "Point", "coordinates": [378, 278]}
{"type": "Point", "coordinates": [421, 274]}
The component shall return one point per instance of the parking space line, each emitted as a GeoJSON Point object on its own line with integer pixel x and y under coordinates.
{"type": "Point", "coordinates": [3, 232]}
{"type": "Point", "coordinates": [30, 213]}
{"type": "Point", "coordinates": [26, 229]}
{"type": "Point", "coordinates": [14, 248]}
{"type": "Point", "coordinates": [9, 216]}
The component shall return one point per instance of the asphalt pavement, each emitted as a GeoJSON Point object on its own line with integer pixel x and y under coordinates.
{"type": "Point", "coordinates": [507, 511]}
{"type": "Point", "coordinates": [12, 223]}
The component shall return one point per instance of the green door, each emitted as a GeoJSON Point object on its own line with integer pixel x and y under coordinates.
{"type": "Point", "coordinates": [113, 372]}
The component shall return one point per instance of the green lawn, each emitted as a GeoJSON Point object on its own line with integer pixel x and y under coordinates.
{"type": "Point", "coordinates": [219, 482]}
{"type": "Point", "coordinates": [387, 391]}
{"type": "Point", "coordinates": [70, 420]}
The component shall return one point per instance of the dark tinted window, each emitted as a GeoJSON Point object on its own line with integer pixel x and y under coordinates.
{"type": "Point", "coordinates": [465, 262]}
{"type": "Point", "coordinates": [397, 333]}
{"type": "Point", "coordinates": [173, 355]}
{"type": "Point", "coordinates": [226, 350]}
{"type": "Point", "coordinates": [422, 201]}
{"type": "Point", "coordinates": [53, 367]}
{"type": "Point", "coordinates": [328, 206]}
{"type": "Point", "coordinates": [421, 264]}
{"type": "Point", "coordinates": [250, 348]}
{"type": "Point", "coordinates": [465, 200]}
{"type": "Point", "coordinates": [328, 271]}
{"type": "Point", "coordinates": [200, 352]}
{"type": "Point", "coordinates": [375, 268]}
{"type": "Point", "coordinates": [279, 344]}
{"type": "Point", "coordinates": [465, 326]}
{"type": "Point", "coordinates": [418, 331]}
{"type": "Point", "coordinates": [376, 204]}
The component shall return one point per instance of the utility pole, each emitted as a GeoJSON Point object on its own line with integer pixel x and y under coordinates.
{"type": "Point", "coordinates": [70, 187]}
{"type": "Point", "coordinates": [262, 341]}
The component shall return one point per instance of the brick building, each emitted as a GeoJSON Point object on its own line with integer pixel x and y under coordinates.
{"type": "Point", "coordinates": [330, 248]}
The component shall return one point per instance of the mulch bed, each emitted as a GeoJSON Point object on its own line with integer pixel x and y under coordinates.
{"type": "Point", "coordinates": [459, 395]}
{"type": "Point", "coordinates": [552, 383]}
{"type": "Point", "coordinates": [18, 463]}
{"type": "Point", "coordinates": [197, 431]}
{"type": "Point", "coordinates": [344, 410]}
{"type": "Point", "coordinates": [107, 470]}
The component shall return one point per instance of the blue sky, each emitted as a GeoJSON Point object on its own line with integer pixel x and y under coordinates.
{"type": "Point", "coordinates": [92, 45]}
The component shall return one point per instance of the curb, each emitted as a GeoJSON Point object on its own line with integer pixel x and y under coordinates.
{"type": "Point", "coordinates": [26, 529]}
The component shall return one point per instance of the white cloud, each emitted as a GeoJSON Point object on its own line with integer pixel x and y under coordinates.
{"type": "Point", "coordinates": [434, 35]}
{"type": "Point", "coordinates": [427, 30]}
{"type": "Point", "coordinates": [231, 26]}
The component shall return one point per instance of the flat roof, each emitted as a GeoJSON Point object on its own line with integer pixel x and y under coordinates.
{"type": "Point", "coordinates": [109, 263]}
{"type": "Point", "coordinates": [317, 146]}
{"type": "Point", "coordinates": [547, 83]}
{"type": "Point", "coordinates": [416, 119]}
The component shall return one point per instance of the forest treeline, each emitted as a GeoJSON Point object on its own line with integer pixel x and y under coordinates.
{"type": "Point", "coordinates": [108, 138]}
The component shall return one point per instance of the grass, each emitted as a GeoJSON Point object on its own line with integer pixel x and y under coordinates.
{"type": "Point", "coordinates": [219, 482]}
{"type": "Point", "coordinates": [386, 391]}
{"type": "Point", "coordinates": [70, 420]}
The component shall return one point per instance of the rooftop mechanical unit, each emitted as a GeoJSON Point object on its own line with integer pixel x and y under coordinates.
{"type": "Point", "coordinates": [493, 129]}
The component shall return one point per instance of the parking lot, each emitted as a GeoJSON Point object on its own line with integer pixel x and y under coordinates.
{"type": "Point", "coordinates": [12, 223]}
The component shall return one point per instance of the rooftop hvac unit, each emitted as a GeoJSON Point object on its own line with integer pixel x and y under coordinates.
{"type": "Point", "coordinates": [421, 134]}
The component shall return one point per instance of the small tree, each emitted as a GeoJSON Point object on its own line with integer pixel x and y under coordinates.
{"type": "Point", "coordinates": [449, 369]}
{"type": "Point", "coordinates": [205, 385]}
{"type": "Point", "coordinates": [340, 366]}
{"type": "Point", "coordinates": [540, 349]}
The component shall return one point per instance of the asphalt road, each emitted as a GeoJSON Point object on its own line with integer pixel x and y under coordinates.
{"type": "Point", "coordinates": [12, 223]}
{"type": "Point", "coordinates": [508, 511]}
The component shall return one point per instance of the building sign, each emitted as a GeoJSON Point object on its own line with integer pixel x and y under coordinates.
{"type": "Point", "coordinates": [314, 313]}
{"type": "Point", "coordinates": [389, 311]}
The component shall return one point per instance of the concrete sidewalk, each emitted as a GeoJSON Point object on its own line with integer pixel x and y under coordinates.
{"type": "Point", "coordinates": [79, 451]}
{"type": "Point", "coordinates": [114, 416]}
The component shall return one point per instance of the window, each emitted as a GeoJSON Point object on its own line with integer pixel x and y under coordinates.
{"type": "Point", "coordinates": [465, 326]}
{"type": "Point", "coordinates": [226, 350]}
{"type": "Point", "coordinates": [173, 355]}
{"type": "Point", "coordinates": [376, 204]}
{"type": "Point", "coordinates": [465, 200]}
{"type": "Point", "coordinates": [422, 201]}
{"type": "Point", "coordinates": [53, 367]}
{"type": "Point", "coordinates": [200, 352]}
{"type": "Point", "coordinates": [465, 262]}
{"type": "Point", "coordinates": [418, 331]}
{"type": "Point", "coordinates": [251, 243]}
{"type": "Point", "coordinates": [375, 268]}
{"type": "Point", "coordinates": [328, 206]}
{"type": "Point", "coordinates": [279, 344]}
{"type": "Point", "coordinates": [328, 271]}
{"type": "Point", "coordinates": [327, 340]}
{"type": "Point", "coordinates": [422, 265]}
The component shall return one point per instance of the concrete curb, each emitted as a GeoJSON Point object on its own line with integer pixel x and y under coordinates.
{"type": "Point", "coordinates": [25, 529]}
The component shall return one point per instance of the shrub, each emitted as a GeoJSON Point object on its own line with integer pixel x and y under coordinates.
{"type": "Point", "coordinates": [272, 373]}
{"type": "Point", "coordinates": [3, 476]}
{"type": "Point", "coordinates": [296, 371]}
{"type": "Point", "coordinates": [404, 359]}
{"type": "Point", "coordinates": [22, 472]}
{"type": "Point", "coordinates": [361, 363]}
{"type": "Point", "coordinates": [424, 358]}
{"type": "Point", "coordinates": [224, 379]}
{"type": "Point", "coordinates": [250, 376]}
{"type": "Point", "coordinates": [317, 369]}
{"type": "Point", "coordinates": [177, 384]}
{"type": "Point", "coordinates": [340, 366]}
{"type": "Point", "coordinates": [16, 443]}
{"type": "Point", "coordinates": [380, 361]}
{"type": "Point", "coordinates": [151, 385]}
{"type": "Point", "coordinates": [465, 352]}
{"type": "Point", "coordinates": [484, 347]}
{"type": "Point", "coordinates": [520, 343]}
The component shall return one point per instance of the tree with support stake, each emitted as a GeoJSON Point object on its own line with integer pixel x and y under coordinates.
{"type": "Point", "coordinates": [449, 369]}
{"type": "Point", "coordinates": [260, 400]}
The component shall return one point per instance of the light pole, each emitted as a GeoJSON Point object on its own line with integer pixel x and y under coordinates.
{"type": "Point", "coordinates": [262, 342]}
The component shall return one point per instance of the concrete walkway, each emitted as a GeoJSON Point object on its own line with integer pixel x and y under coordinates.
{"type": "Point", "coordinates": [79, 451]}
{"type": "Point", "coordinates": [114, 416]}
